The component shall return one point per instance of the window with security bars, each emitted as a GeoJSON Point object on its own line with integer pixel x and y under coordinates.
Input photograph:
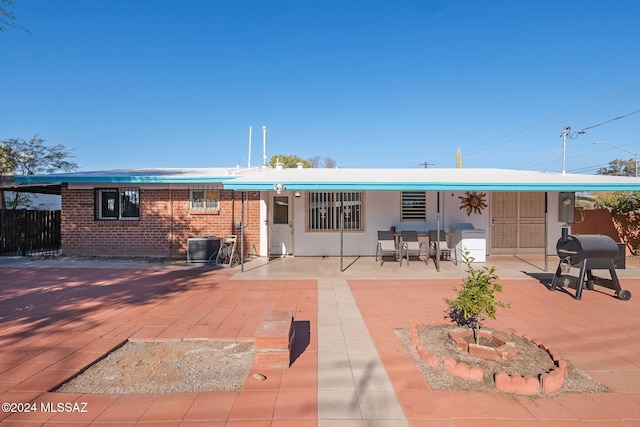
{"type": "Point", "coordinates": [204, 199]}
{"type": "Point", "coordinates": [117, 203]}
{"type": "Point", "coordinates": [326, 208]}
{"type": "Point", "coordinates": [414, 206]}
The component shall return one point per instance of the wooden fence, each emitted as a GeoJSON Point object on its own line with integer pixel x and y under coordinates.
{"type": "Point", "coordinates": [29, 232]}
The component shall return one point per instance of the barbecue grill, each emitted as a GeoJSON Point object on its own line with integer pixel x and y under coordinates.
{"type": "Point", "coordinates": [589, 252]}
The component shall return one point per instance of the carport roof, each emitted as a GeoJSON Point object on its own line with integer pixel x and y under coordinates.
{"type": "Point", "coordinates": [317, 179]}
{"type": "Point", "coordinates": [146, 175]}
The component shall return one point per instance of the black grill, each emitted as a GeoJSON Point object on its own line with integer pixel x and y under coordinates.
{"type": "Point", "coordinates": [589, 252]}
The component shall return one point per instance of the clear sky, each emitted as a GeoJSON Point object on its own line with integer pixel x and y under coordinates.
{"type": "Point", "coordinates": [156, 83]}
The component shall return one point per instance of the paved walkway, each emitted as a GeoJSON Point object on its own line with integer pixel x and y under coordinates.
{"type": "Point", "coordinates": [351, 369]}
{"type": "Point", "coordinates": [352, 383]}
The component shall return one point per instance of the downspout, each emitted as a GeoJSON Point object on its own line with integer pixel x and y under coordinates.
{"type": "Point", "coordinates": [242, 232]}
{"type": "Point", "coordinates": [171, 237]}
{"type": "Point", "coordinates": [546, 231]}
{"type": "Point", "coordinates": [438, 233]}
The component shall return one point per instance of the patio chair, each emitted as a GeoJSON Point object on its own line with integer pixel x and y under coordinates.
{"type": "Point", "coordinates": [411, 246]}
{"type": "Point", "coordinates": [442, 241]}
{"type": "Point", "coordinates": [387, 247]}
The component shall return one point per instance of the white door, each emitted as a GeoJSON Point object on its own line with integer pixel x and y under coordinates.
{"type": "Point", "coordinates": [280, 226]}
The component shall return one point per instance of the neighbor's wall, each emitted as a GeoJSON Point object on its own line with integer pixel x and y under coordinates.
{"type": "Point", "coordinates": [164, 226]}
{"type": "Point", "coordinates": [621, 228]}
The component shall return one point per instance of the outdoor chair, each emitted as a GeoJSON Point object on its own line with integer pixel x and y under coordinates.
{"type": "Point", "coordinates": [411, 246]}
{"type": "Point", "coordinates": [442, 241]}
{"type": "Point", "coordinates": [387, 247]}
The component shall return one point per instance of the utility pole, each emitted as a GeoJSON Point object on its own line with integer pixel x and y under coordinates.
{"type": "Point", "coordinates": [566, 132]}
{"type": "Point", "coordinates": [426, 165]}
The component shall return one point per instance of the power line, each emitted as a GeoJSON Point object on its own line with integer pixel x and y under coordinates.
{"type": "Point", "coordinates": [610, 120]}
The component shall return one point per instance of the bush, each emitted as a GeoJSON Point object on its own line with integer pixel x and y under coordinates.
{"type": "Point", "coordinates": [619, 202]}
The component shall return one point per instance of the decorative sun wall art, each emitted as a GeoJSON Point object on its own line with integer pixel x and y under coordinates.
{"type": "Point", "coordinates": [473, 202]}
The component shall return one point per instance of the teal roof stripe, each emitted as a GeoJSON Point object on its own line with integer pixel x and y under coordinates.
{"type": "Point", "coordinates": [318, 179]}
{"type": "Point", "coordinates": [165, 176]}
{"type": "Point", "coordinates": [465, 186]}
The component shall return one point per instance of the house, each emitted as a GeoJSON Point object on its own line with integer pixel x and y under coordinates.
{"type": "Point", "coordinates": [313, 212]}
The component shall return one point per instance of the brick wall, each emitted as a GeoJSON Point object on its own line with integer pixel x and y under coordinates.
{"type": "Point", "coordinates": [621, 228]}
{"type": "Point", "coordinates": [164, 226]}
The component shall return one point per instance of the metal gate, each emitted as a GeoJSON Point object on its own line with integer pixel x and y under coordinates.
{"type": "Point", "coordinates": [29, 232]}
{"type": "Point", "coordinates": [517, 222]}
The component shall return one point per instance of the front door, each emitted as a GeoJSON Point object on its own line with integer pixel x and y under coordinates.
{"type": "Point", "coordinates": [280, 226]}
{"type": "Point", "coordinates": [517, 222]}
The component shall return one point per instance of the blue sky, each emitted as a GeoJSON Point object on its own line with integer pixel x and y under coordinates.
{"type": "Point", "coordinates": [155, 83]}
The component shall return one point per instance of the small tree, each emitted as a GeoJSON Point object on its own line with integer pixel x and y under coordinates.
{"type": "Point", "coordinates": [477, 298]}
{"type": "Point", "coordinates": [288, 161]}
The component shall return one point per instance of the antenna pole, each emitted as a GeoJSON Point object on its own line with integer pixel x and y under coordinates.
{"type": "Point", "coordinates": [264, 146]}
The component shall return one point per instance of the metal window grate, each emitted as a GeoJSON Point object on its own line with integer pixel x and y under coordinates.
{"type": "Point", "coordinates": [325, 209]}
{"type": "Point", "coordinates": [414, 206]}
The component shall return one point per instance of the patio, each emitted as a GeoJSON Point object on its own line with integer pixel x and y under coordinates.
{"type": "Point", "coordinates": [58, 316]}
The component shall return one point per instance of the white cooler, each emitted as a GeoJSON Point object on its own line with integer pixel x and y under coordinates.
{"type": "Point", "coordinates": [468, 239]}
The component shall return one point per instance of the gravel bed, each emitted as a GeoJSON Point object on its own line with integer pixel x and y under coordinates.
{"type": "Point", "coordinates": [167, 367]}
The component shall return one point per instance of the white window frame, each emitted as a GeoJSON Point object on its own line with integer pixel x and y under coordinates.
{"type": "Point", "coordinates": [204, 199]}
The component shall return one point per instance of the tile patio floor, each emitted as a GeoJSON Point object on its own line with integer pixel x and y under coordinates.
{"type": "Point", "coordinates": [56, 317]}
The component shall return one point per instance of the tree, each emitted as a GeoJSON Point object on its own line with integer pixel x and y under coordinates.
{"type": "Point", "coordinates": [320, 162]}
{"type": "Point", "coordinates": [7, 162]}
{"type": "Point", "coordinates": [34, 157]}
{"type": "Point", "coordinates": [619, 167]}
{"type": "Point", "coordinates": [477, 298]}
{"type": "Point", "coordinates": [20, 157]}
{"type": "Point", "coordinates": [288, 161]}
{"type": "Point", "coordinates": [619, 202]}
{"type": "Point", "coordinates": [7, 18]}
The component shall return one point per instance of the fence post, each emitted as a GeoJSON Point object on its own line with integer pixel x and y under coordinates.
{"type": "Point", "coordinates": [23, 236]}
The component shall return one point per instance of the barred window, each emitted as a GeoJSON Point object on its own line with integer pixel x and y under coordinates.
{"type": "Point", "coordinates": [325, 209]}
{"type": "Point", "coordinates": [414, 206]}
{"type": "Point", "coordinates": [117, 203]}
{"type": "Point", "coordinates": [204, 199]}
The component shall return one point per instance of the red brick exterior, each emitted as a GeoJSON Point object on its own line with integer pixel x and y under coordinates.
{"type": "Point", "coordinates": [621, 228]}
{"type": "Point", "coordinates": [164, 226]}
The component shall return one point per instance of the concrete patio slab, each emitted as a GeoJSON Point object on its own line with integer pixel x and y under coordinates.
{"type": "Point", "coordinates": [58, 316]}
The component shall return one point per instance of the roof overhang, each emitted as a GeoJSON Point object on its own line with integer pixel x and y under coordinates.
{"type": "Point", "coordinates": [137, 176]}
{"type": "Point", "coordinates": [428, 180]}
{"type": "Point", "coordinates": [319, 179]}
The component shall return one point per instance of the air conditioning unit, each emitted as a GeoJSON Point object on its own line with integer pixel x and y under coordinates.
{"type": "Point", "coordinates": [202, 249]}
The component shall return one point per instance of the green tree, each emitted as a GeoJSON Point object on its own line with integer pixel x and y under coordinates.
{"type": "Point", "coordinates": [619, 167]}
{"type": "Point", "coordinates": [476, 298]}
{"type": "Point", "coordinates": [288, 161]}
{"type": "Point", "coordinates": [21, 157]}
{"type": "Point", "coordinates": [35, 157]}
{"type": "Point", "coordinates": [7, 161]}
{"type": "Point", "coordinates": [619, 202]}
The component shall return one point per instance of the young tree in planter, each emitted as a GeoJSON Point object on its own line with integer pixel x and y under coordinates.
{"type": "Point", "coordinates": [477, 298]}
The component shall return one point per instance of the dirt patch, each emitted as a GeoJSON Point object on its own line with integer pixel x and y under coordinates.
{"type": "Point", "coordinates": [530, 360]}
{"type": "Point", "coordinates": [167, 367]}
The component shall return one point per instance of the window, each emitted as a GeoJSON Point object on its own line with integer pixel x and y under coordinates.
{"type": "Point", "coordinates": [118, 203]}
{"type": "Point", "coordinates": [324, 210]}
{"type": "Point", "coordinates": [414, 206]}
{"type": "Point", "coordinates": [281, 210]}
{"type": "Point", "coordinates": [204, 199]}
